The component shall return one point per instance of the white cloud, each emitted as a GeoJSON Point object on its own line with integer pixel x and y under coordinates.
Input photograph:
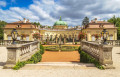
{"type": "Point", "coordinates": [72, 11]}
{"type": "Point", "coordinates": [3, 3]}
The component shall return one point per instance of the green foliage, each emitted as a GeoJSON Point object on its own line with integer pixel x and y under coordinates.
{"type": "Point", "coordinates": [75, 43]}
{"type": "Point", "coordinates": [116, 22]}
{"type": "Point", "coordinates": [34, 59]}
{"type": "Point", "coordinates": [85, 21]}
{"type": "Point", "coordinates": [45, 43]}
{"type": "Point", "coordinates": [84, 57]}
{"type": "Point", "coordinates": [42, 49]}
{"type": "Point", "coordinates": [63, 48]}
{"type": "Point", "coordinates": [19, 65]}
{"type": "Point", "coordinates": [2, 24]}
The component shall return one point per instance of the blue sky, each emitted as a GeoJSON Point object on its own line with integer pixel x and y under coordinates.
{"type": "Point", "coordinates": [48, 11]}
{"type": "Point", "coordinates": [17, 3]}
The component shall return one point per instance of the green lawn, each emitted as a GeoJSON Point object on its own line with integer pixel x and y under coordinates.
{"type": "Point", "coordinates": [63, 48]}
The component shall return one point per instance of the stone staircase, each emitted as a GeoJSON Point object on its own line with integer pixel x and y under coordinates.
{"type": "Point", "coordinates": [53, 65]}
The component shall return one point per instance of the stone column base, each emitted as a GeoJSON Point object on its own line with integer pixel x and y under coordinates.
{"type": "Point", "coordinates": [8, 66]}
{"type": "Point", "coordinates": [108, 66]}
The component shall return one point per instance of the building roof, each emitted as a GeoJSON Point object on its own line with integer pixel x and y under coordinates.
{"type": "Point", "coordinates": [100, 24]}
{"type": "Point", "coordinates": [21, 24]}
{"type": "Point", "coordinates": [60, 22]}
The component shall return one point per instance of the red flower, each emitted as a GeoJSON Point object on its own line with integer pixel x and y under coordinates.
{"type": "Point", "coordinates": [36, 35]}
{"type": "Point", "coordinates": [81, 35]}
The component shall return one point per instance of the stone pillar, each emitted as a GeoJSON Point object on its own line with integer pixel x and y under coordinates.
{"type": "Point", "coordinates": [64, 38]}
{"type": "Point", "coordinates": [13, 55]}
{"type": "Point", "coordinates": [56, 38]}
{"type": "Point", "coordinates": [60, 38]}
{"type": "Point", "coordinates": [105, 57]}
{"type": "Point", "coordinates": [73, 39]}
{"type": "Point", "coordinates": [47, 39]}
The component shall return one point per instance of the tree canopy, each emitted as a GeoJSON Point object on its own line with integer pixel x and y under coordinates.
{"type": "Point", "coordinates": [2, 24]}
{"type": "Point", "coordinates": [85, 21]}
{"type": "Point", "coordinates": [116, 22]}
{"type": "Point", "coordinates": [37, 23]}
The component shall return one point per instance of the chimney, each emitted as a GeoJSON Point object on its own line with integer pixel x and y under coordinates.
{"type": "Point", "coordinates": [95, 20]}
{"type": "Point", "coordinates": [28, 20]}
{"type": "Point", "coordinates": [24, 21]}
{"type": "Point", "coordinates": [92, 21]}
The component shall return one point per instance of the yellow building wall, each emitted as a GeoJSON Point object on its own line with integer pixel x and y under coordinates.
{"type": "Point", "coordinates": [91, 32]}
{"type": "Point", "coordinates": [29, 32]}
{"type": "Point", "coordinates": [44, 33]}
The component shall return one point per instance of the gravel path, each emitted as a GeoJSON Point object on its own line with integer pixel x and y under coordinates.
{"type": "Point", "coordinates": [62, 72]}
{"type": "Point", "coordinates": [53, 56]}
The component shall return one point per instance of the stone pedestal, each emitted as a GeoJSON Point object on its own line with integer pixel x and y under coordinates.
{"type": "Point", "coordinates": [13, 55]}
{"type": "Point", "coordinates": [105, 57]}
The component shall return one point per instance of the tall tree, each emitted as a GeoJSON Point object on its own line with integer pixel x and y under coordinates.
{"type": "Point", "coordinates": [113, 20]}
{"type": "Point", "coordinates": [116, 22]}
{"type": "Point", "coordinates": [85, 21]}
{"type": "Point", "coordinates": [37, 23]}
{"type": "Point", "coordinates": [2, 24]}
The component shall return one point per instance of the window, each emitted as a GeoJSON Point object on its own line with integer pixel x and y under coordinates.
{"type": "Point", "coordinates": [93, 38]}
{"type": "Point", "coordinates": [101, 38]}
{"type": "Point", "coordinates": [111, 37]}
{"type": "Point", "coordinates": [18, 38]}
{"type": "Point", "coordinates": [9, 38]}
{"type": "Point", "coordinates": [27, 38]}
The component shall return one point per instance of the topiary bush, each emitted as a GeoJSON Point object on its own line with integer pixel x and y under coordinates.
{"type": "Point", "coordinates": [75, 43]}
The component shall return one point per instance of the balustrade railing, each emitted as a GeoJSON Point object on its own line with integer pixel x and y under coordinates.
{"type": "Point", "coordinates": [9, 42]}
{"type": "Point", "coordinates": [113, 42]}
{"type": "Point", "coordinates": [102, 53]}
{"type": "Point", "coordinates": [20, 52]}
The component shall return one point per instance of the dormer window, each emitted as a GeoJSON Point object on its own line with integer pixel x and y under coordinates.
{"type": "Point", "coordinates": [18, 26]}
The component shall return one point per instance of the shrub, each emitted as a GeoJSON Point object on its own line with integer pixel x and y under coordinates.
{"type": "Point", "coordinates": [45, 43]}
{"type": "Point", "coordinates": [42, 49]}
{"type": "Point", "coordinates": [34, 59]}
{"type": "Point", "coordinates": [75, 43]}
{"type": "Point", "coordinates": [64, 48]}
{"type": "Point", "coordinates": [84, 57]}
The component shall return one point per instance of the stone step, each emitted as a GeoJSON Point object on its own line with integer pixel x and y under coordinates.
{"type": "Point", "coordinates": [54, 65]}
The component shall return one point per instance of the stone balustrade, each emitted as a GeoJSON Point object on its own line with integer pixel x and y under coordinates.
{"type": "Point", "coordinates": [20, 52]}
{"type": "Point", "coordinates": [113, 42]}
{"type": "Point", "coordinates": [9, 42]}
{"type": "Point", "coordinates": [102, 53]}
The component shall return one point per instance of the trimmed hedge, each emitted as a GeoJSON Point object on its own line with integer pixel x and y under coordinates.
{"type": "Point", "coordinates": [86, 58]}
{"type": "Point", "coordinates": [64, 48]}
{"type": "Point", "coordinates": [37, 57]}
{"type": "Point", "coordinates": [42, 49]}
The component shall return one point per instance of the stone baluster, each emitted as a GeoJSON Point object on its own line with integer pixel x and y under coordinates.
{"type": "Point", "coordinates": [56, 38]}
{"type": "Point", "coordinates": [47, 39]}
{"type": "Point", "coordinates": [113, 43]}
